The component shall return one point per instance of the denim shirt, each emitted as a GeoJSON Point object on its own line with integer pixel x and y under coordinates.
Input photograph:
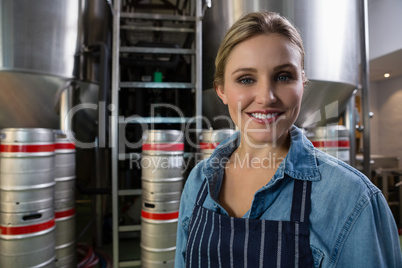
{"type": "Point", "coordinates": [351, 224]}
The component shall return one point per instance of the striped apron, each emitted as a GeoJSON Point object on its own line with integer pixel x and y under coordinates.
{"type": "Point", "coordinates": [220, 241]}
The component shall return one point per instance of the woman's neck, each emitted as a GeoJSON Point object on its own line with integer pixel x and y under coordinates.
{"type": "Point", "coordinates": [274, 152]}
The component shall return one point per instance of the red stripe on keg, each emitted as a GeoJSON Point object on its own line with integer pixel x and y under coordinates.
{"type": "Point", "coordinates": [65, 213]}
{"type": "Point", "coordinates": [65, 146]}
{"type": "Point", "coordinates": [208, 146]}
{"type": "Point", "coordinates": [31, 148]}
{"type": "Point", "coordinates": [27, 229]}
{"type": "Point", "coordinates": [163, 147]}
{"type": "Point", "coordinates": [333, 144]}
{"type": "Point", "coordinates": [160, 216]}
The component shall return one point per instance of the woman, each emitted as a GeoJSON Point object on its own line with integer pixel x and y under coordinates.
{"type": "Point", "coordinates": [266, 197]}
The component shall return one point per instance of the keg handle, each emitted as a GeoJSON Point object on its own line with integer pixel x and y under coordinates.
{"type": "Point", "coordinates": [149, 205]}
{"type": "Point", "coordinates": [32, 217]}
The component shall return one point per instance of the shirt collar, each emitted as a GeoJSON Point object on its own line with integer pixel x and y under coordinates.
{"type": "Point", "coordinates": [299, 163]}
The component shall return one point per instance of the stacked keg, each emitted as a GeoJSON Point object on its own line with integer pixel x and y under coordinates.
{"type": "Point", "coordinates": [27, 222]}
{"type": "Point", "coordinates": [210, 139]}
{"type": "Point", "coordinates": [332, 139]}
{"type": "Point", "coordinates": [65, 201]}
{"type": "Point", "coordinates": [162, 182]}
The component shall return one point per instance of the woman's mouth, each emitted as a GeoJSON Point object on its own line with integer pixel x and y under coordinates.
{"type": "Point", "coordinates": [265, 117]}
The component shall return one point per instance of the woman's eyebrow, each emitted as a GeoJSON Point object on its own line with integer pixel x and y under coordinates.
{"type": "Point", "coordinates": [253, 70]}
{"type": "Point", "coordinates": [276, 68]}
{"type": "Point", "coordinates": [286, 65]}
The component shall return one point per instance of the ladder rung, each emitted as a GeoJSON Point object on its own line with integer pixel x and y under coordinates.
{"type": "Point", "coordinates": [157, 29]}
{"type": "Point", "coordinates": [130, 263]}
{"type": "Point", "coordinates": [171, 85]}
{"type": "Point", "coordinates": [130, 192]}
{"type": "Point", "coordinates": [130, 228]}
{"type": "Point", "coordinates": [151, 16]}
{"type": "Point", "coordinates": [157, 50]}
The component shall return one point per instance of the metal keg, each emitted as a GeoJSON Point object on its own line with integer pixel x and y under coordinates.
{"type": "Point", "coordinates": [153, 259]}
{"type": "Point", "coordinates": [64, 156]}
{"type": "Point", "coordinates": [162, 182]}
{"type": "Point", "coordinates": [65, 244]}
{"type": "Point", "coordinates": [64, 168]}
{"type": "Point", "coordinates": [160, 196]}
{"type": "Point", "coordinates": [162, 154]}
{"type": "Point", "coordinates": [27, 169]}
{"type": "Point", "coordinates": [210, 139]}
{"type": "Point", "coordinates": [163, 142]}
{"type": "Point", "coordinates": [155, 238]}
{"type": "Point", "coordinates": [162, 189]}
{"type": "Point", "coordinates": [158, 245]}
{"type": "Point", "coordinates": [65, 201]}
{"type": "Point", "coordinates": [65, 238]}
{"type": "Point", "coordinates": [332, 139]}
{"type": "Point", "coordinates": [27, 239]}
{"type": "Point", "coordinates": [163, 186]}
{"type": "Point", "coordinates": [161, 166]}
{"type": "Point", "coordinates": [158, 234]}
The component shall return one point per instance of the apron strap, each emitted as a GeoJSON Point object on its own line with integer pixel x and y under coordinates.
{"type": "Point", "coordinates": [202, 193]}
{"type": "Point", "coordinates": [301, 203]}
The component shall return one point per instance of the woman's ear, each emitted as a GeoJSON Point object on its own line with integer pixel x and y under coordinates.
{"type": "Point", "coordinates": [221, 93]}
{"type": "Point", "coordinates": [304, 79]}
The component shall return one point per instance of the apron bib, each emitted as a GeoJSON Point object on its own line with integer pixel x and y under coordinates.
{"type": "Point", "coordinates": [217, 240]}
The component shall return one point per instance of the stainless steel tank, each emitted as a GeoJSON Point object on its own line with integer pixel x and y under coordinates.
{"type": "Point", "coordinates": [330, 34]}
{"type": "Point", "coordinates": [44, 44]}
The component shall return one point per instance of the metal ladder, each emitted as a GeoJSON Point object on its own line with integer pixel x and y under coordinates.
{"type": "Point", "coordinates": [118, 153]}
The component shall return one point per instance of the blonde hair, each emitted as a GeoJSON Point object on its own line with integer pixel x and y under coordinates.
{"type": "Point", "coordinates": [250, 25]}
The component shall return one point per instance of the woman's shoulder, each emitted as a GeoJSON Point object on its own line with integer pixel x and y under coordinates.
{"type": "Point", "coordinates": [346, 206]}
{"type": "Point", "coordinates": [332, 168]}
{"type": "Point", "coordinates": [195, 178]}
{"type": "Point", "coordinates": [342, 184]}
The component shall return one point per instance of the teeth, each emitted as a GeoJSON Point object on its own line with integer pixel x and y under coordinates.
{"type": "Point", "coordinates": [264, 116]}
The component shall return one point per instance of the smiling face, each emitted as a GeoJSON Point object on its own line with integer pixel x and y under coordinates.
{"type": "Point", "coordinates": [263, 88]}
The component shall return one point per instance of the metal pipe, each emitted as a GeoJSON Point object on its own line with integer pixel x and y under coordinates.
{"type": "Point", "coordinates": [351, 125]}
{"type": "Point", "coordinates": [104, 85]}
{"type": "Point", "coordinates": [64, 96]}
{"type": "Point", "coordinates": [114, 130]}
{"type": "Point", "coordinates": [102, 163]}
{"type": "Point", "coordinates": [364, 80]}
{"type": "Point", "coordinates": [198, 67]}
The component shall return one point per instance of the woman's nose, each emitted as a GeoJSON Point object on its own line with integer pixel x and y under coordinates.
{"type": "Point", "coordinates": [266, 94]}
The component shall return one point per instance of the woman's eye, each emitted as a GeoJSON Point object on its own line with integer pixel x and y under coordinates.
{"type": "Point", "coordinates": [246, 80]}
{"type": "Point", "coordinates": [283, 78]}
